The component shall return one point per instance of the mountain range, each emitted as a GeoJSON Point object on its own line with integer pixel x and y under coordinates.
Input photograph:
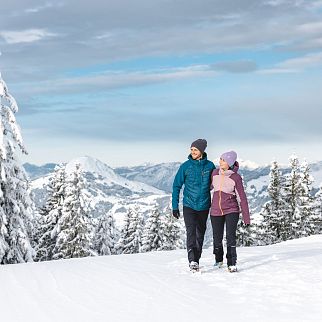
{"type": "Point", "coordinates": [127, 185]}
{"type": "Point", "coordinates": [105, 189]}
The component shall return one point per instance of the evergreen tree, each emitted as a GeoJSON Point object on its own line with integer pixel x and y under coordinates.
{"type": "Point", "coordinates": [318, 211]}
{"type": "Point", "coordinates": [49, 215]}
{"type": "Point", "coordinates": [274, 192]}
{"type": "Point", "coordinates": [273, 225]}
{"type": "Point", "coordinates": [16, 217]}
{"type": "Point", "coordinates": [266, 232]}
{"type": "Point", "coordinates": [290, 193]}
{"type": "Point", "coordinates": [105, 236]}
{"type": "Point", "coordinates": [152, 238]}
{"type": "Point", "coordinates": [208, 238]}
{"type": "Point", "coordinates": [35, 234]}
{"type": "Point", "coordinates": [124, 234]}
{"type": "Point", "coordinates": [246, 235]}
{"type": "Point", "coordinates": [304, 211]}
{"type": "Point", "coordinates": [172, 231]}
{"type": "Point", "coordinates": [132, 239]}
{"type": "Point", "coordinates": [73, 227]}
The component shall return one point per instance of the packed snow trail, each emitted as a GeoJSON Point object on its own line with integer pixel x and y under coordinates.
{"type": "Point", "coordinates": [281, 282]}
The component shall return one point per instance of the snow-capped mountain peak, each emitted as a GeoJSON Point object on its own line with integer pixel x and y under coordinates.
{"type": "Point", "coordinates": [93, 165]}
{"type": "Point", "coordinates": [247, 164]}
{"type": "Point", "coordinates": [108, 175]}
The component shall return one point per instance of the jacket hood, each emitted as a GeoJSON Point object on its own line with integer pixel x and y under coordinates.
{"type": "Point", "coordinates": [236, 167]}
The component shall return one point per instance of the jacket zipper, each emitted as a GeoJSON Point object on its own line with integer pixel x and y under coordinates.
{"type": "Point", "coordinates": [198, 197]}
{"type": "Point", "coordinates": [220, 188]}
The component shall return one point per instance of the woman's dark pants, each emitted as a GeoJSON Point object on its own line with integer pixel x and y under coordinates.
{"type": "Point", "coordinates": [218, 223]}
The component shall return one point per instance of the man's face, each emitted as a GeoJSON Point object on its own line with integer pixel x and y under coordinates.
{"type": "Point", "coordinates": [195, 153]}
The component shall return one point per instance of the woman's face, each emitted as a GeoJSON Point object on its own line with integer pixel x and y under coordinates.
{"type": "Point", "coordinates": [223, 164]}
{"type": "Point", "coordinates": [195, 153]}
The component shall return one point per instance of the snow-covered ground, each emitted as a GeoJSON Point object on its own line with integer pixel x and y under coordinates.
{"type": "Point", "coordinates": [281, 282]}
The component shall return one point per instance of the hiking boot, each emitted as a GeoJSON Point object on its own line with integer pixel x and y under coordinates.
{"type": "Point", "coordinates": [218, 264]}
{"type": "Point", "coordinates": [232, 268]}
{"type": "Point", "coordinates": [194, 266]}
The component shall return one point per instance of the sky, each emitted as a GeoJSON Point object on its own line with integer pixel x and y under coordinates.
{"type": "Point", "coordinates": [134, 82]}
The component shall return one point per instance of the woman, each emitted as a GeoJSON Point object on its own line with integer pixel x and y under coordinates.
{"type": "Point", "coordinates": [229, 199]}
{"type": "Point", "coordinates": [195, 175]}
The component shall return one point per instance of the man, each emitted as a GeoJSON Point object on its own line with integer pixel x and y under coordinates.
{"type": "Point", "coordinates": [195, 175]}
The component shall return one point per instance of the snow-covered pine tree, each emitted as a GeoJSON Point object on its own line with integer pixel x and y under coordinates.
{"type": "Point", "coordinates": [16, 215]}
{"type": "Point", "coordinates": [208, 238]}
{"type": "Point", "coordinates": [132, 238]}
{"type": "Point", "coordinates": [272, 225]}
{"type": "Point", "coordinates": [290, 193]}
{"type": "Point", "coordinates": [304, 210]}
{"type": "Point", "coordinates": [245, 235]}
{"type": "Point", "coordinates": [318, 211]}
{"type": "Point", "coordinates": [49, 215]}
{"type": "Point", "coordinates": [172, 231]}
{"type": "Point", "coordinates": [106, 235]}
{"type": "Point", "coordinates": [266, 234]}
{"type": "Point", "coordinates": [34, 235]}
{"type": "Point", "coordinates": [73, 227]}
{"type": "Point", "coordinates": [152, 233]}
{"type": "Point", "coordinates": [124, 233]}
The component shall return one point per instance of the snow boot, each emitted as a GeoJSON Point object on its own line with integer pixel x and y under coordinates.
{"type": "Point", "coordinates": [232, 268]}
{"type": "Point", "coordinates": [194, 266]}
{"type": "Point", "coordinates": [218, 264]}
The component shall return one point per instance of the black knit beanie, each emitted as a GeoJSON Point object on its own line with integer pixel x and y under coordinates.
{"type": "Point", "coordinates": [200, 144]}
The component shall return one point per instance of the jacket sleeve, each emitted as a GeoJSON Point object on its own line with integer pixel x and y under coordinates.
{"type": "Point", "coordinates": [211, 177]}
{"type": "Point", "coordinates": [243, 199]}
{"type": "Point", "coordinates": [177, 184]}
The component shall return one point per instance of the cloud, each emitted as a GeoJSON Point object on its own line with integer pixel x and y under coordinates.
{"type": "Point", "coordinates": [46, 6]}
{"type": "Point", "coordinates": [315, 4]}
{"type": "Point", "coordinates": [307, 45]}
{"type": "Point", "coordinates": [297, 64]}
{"type": "Point", "coordinates": [237, 119]}
{"type": "Point", "coordinates": [116, 79]}
{"type": "Point", "coordinates": [50, 42]}
{"type": "Point", "coordinates": [307, 61]}
{"type": "Point", "coordinates": [274, 3]}
{"type": "Point", "coordinates": [276, 71]}
{"type": "Point", "coordinates": [311, 28]}
{"type": "Point", "coordinates": [244, 66]}
{"type": "Point", "coordinates": [25, 36]}
{"type": "Point", "coordinates": [99, 32]}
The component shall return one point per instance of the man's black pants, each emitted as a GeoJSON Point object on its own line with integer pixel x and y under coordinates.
{"type": "Point", "coordinates": [196, 224]}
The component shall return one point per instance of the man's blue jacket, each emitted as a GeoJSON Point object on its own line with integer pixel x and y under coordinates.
{"type": "Point", "coordinates": [195, 175]}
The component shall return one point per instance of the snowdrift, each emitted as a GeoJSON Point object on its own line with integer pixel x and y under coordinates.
{"type": "Point", "coordinates": [281, 282]}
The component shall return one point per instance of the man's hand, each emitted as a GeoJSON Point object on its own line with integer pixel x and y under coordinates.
{"type": "Point", "coordinates": [176, 213]}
